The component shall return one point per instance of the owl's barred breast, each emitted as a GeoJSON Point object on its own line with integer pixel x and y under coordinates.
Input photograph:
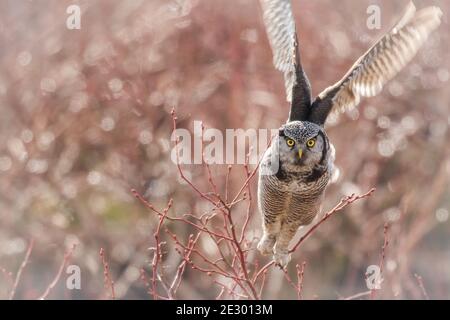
{"type": "Point", "coordinates": [292, 194]}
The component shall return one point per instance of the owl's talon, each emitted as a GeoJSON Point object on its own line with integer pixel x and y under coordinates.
{"type": "Point", "coordinates": [266, 244]}
{"type": "Point", "coordinates": [280, 266]}
{"type": "Point", "coordinates": [282, 259]}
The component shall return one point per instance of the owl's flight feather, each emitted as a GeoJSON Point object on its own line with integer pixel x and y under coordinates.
{"type": "Point", "coordinates": [280, 26]}
{"type": "Point", "coordinates": [379, 64]}
{"type": "Point", "coordinates": [365, 78]}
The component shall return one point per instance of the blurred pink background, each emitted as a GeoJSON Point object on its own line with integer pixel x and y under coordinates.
{"type": "Point", "coordinates": [85, 117]}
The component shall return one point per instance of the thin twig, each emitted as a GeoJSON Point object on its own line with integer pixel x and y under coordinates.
{"type": "Point", "coordinates": [52, 285]}
{"type": "Point", "coordinates": [21, 268]}
{"type": "Point", "coordinates": [421, 286]}
{"type": "Point", "coordinates": [158, 255]}
{"type": "Point", "coordinates": [358, 295]}
{"type": "Point", "coordinates": [109, 283]}
{"type": "Point", "coordinates": [300, 278]}
{"type": "Point", "coordinates": [383, 255]}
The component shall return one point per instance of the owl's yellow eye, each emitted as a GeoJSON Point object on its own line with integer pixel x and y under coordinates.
{"type": "Point", "coordinates": [290, 142]}
{"type": "Point", "coordinates": [310, 143]}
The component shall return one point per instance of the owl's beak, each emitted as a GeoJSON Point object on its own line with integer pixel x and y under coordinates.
{"type": "Point", "coordinates": [300, 153]}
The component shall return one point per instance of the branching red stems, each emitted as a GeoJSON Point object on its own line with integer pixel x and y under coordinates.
{"type": "Point", "coordinates": [108, 282]}
{"type": "Point", "coordinates": [52, 285]}
{"type": "Point", "coordinates": [231, 264]}
{"type": "Point", "coordinates": [21, 268]}
{"type": "Point", "coordinates": [421, 286]}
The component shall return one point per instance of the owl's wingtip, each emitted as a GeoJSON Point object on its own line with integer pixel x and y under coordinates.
{"type": "Point", "coordinates": [411, 5]}
{"type": "Point", "coordinates": [435, 15]}
{"type": "Point", "coordinates": [408, 15]}
{"type": "Point", "coordinates": [433, 10]}
{"type": "Point", "coordinates": [438, 12]}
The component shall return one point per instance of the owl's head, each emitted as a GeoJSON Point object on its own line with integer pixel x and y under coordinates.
{"type": "Point", "coordinates": [302, 145]}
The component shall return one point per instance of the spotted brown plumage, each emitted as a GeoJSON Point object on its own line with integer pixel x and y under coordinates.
{"type": "Point", "coordinates": [298, 165]}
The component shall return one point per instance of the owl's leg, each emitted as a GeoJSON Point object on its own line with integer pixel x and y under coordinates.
{"type": "Point", "coordinates": [271, 228]}
{"type": "Point", "coordinates": [287, 232]}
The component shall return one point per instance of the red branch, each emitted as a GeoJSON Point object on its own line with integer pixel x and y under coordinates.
{"type": "Point", "coordinates": [158, 254]}
{"type": "Point", "coordinates": [421, 286]}
{"type": "Point", "coordinates": [52, 285]}
{"type": "Point", "coordinates": [341, 205]}
{"type": "Point", "coordinates": [300, 278]}
{"type": "Point", "coordinates": [109, 283]}
{"type": "Point", "coordinates": [383, 255]}
{"type": "Point", "coordinates": [233, 267]}
{"type": "Point", "coordinates": [21, 268]}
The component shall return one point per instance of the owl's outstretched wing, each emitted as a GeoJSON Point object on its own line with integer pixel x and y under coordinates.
{"type": "Point", "coordinates": [379, 64]}
{"type": "Point", "coordinates": [280, 27]}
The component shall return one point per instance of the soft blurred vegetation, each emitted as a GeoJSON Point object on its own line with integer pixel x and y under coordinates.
{"type": "Point", "coordinates": [85, 117]}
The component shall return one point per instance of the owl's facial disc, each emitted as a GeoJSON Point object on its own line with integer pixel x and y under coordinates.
{"type": "Point", "coordinates": [302, 145]}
